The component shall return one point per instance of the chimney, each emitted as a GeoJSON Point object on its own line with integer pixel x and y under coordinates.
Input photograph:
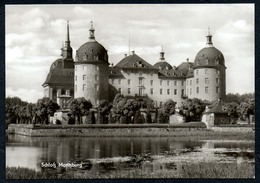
{"type": "Point", "coordinates": [112, 65]}
{"type": "Point", "coordinates": [133, 52]}
{"type": "Point", "coordinates": [125, 55]}
{"type": "Point", "coordinates": [187, 59]}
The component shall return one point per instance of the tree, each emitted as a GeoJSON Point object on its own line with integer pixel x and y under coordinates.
{"type": "Point", "coordinates": [232, 109]}
{"type": "Point", "coordinates": [167, 110]}
{"type": "Point", "coordinates": [192, 109]}
{"type": "Point", "coordinates": [124, 109]}
{"type": "Point", "coordinates": [79, 107]}
{"type": "Point", "coordinates": [104, 110]}
{"type": "Point", "coordinates": [46, 107]}
{"type": "Point", "coordinates": [247, 108]}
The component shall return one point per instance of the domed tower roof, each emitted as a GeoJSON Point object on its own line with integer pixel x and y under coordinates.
{"type": "Point", "coordinates": [209, 56]}
{"type": "Point", "coordinates": [162, 64]}
{"type": "Point", "coordinates": [91, 51]}
{"type": "Point", "coordinates": [59, 75]}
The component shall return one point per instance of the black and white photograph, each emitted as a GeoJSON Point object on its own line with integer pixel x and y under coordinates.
{"type": "Point", "coordinates": [130, 91]}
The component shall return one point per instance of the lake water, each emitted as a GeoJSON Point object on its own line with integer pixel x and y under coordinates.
{"type": "Point", "coordinates": [31, 152]}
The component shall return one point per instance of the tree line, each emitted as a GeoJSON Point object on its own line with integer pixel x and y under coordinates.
{"type": "Point", "coordinates": [123, 110]}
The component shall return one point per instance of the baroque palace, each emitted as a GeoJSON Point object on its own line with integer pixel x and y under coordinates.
{"type": "Point", "coordinates": [91, 76]}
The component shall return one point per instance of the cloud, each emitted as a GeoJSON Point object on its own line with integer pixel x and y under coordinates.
{"type": "Point", "coordinates": [33, 20]}
{"type": "Point", "coordinates": [34, 35]}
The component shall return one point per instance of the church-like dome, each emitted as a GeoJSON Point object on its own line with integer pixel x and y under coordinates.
{"type": "Point", "coordinates": [91, 50]}
{"type": "Point", "coordinates": [209, 56]}
{"type": "Point", "coordinates": [162, 64]}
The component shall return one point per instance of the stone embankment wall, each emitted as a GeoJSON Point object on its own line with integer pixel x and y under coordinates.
{"type": "Point", "coordinates": [106, 130]}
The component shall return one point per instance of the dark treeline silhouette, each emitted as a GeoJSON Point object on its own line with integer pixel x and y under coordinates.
{"type": "Point", "coordinates": [123, 110]}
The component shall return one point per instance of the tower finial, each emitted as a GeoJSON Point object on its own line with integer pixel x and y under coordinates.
{"type": "Point", "coordinates": [209, 38]}
{"type": "Point", "coordinates": [162, 54]}
{"type": "Point", "coordinates": [68, 33]}
{"type": "Point", "coordinates": [91, 32]}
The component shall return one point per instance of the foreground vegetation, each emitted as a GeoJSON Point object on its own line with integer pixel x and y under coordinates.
{"type": "Point", "coordinates": [191, 170]}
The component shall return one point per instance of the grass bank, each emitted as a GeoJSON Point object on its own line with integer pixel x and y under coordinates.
{"type": "Point", "coordinates": [201, 170]}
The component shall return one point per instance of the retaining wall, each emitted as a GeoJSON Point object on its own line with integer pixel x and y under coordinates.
{"type": "Point", "coordinates": [106, 130]}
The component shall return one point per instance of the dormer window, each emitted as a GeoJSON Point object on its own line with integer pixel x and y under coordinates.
{"type": "Point", "coordinates": [207, 61]}
{"type": "Point", "coordinates": [85, 56]}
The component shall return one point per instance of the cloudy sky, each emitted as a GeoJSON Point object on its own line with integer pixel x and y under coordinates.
{"type": "Point", "coordinates": [34, 36]}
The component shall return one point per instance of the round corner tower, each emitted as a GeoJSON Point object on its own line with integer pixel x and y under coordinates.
{"type": "Point", "coordinates": [91, 71]}
{"type": "Point", "coordinates": [210, 73]}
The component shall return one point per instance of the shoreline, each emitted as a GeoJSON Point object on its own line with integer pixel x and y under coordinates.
{"type": "Point", "coordinates": [194, 130]}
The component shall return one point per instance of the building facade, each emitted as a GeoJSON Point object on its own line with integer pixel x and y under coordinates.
{"type": "Point", "coordinates": [91, 76]}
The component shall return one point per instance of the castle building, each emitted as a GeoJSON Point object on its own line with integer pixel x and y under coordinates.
{"type": "Point", "coordinates": [91, 71]}
{"type": "Point", "coordinates": [59, 84]}
{"type": "Point", "coordinates": [91, 76]}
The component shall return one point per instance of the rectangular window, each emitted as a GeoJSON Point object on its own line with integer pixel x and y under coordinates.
{"type": "Point", "coordinates": [198, 89]}
{"type": "Point", "coordinates": [187, 83]}
{"type": "Point", "coordinates": [84, 87]}
{"type": "Point", "coordinates": [151, 73]}
{"type": "Point", "coordinates": [161, 82]}
{"type": "Point", "coordinates": [182, 92]}
{"type": "Point", "coordinates": [217, 80]}
{"type": "Point", "coordinates": [217, 71]}
{"type": "Point", "coordinates": [175, 91]}
{"type": "Point", "coordinates": [96, 68]}
{"type": "Point", "coordinates": [128, 81]}
{"type": "Point", "coordinates": [151, 91]}
{"type": "Point", "coordinates": [113, 81]}
{"type": "Point", "coordinates": [129, 90]}
{"type": "Point", "coordinates": [207, 80]}
{"type": "Point", "coordinates": [168, 83]}
{"type": "Point", "coordinates": [206, 89]}
{"type": "Point", "coordinates": [75, 87]}
{"type": "Point", "coordinates": [190, 91]}
{"type": "Point", "coordinates": [168, 91]}
{"type": "Point", "coordinates": [151, 82]}
{"type": "Point", "coordinates": [75, 78]}
{"type": "Point", "coordinates": [197, 81]}
{"type": "Point", "coordinates": [175, 83]}
{"type": "Point", "coordinates": [96, 88]}
{"type": "Point", "coordinates": [84, 77]}
{"type": "Point", "coordinates": [96, 77]}
{"type": "Point", "coordinates": [197, 72]}
{"type": "Point", "coordinates": [190, 82]}
{"type": "Point", "coordinates": [84, 67]}
{"type": "Point", "coordinates": [182, 83]}
{"type": "Point", "coordinates": [160, 91]}
{"type": "Point", "coordinates": [140, 81]}
{"type": "Point", "coordinates": [119, 90]}
{"type": "Point", "coordinates": [206, 71]}
{"type": "Point", "coordinates": [119, 81]}
{"type": "Point", "coordinates": [217, 89]}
